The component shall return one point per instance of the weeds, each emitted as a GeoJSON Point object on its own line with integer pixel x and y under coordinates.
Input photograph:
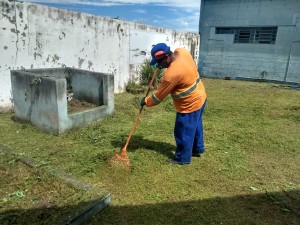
{"type": "Point", "coordinates": [146, 73]}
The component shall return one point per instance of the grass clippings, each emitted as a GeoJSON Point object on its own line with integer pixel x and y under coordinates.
{"type": "Point", "coordinates": [30, 195]}
{"type": "Point", "coordinates": [75, 105]}
{"type": "Point", "coordinates": [249, 173]}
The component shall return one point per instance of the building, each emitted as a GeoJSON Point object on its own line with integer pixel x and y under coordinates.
{"type": "Point", "coordinates": [250, 39]}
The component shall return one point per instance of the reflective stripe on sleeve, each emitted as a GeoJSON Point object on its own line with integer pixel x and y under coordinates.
{"type": "Point", "coordinates": [187, 91]}
{"type": "Point", "coordinates": [155, 99]}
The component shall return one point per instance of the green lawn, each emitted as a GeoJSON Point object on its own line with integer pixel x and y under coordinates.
{"type": "Point", "coordinates": [250, 173]}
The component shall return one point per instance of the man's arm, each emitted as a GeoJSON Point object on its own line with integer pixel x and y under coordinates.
{"type": "Point", "coordinates": [159, 95]}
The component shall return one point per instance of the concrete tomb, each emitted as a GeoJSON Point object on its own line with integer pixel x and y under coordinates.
{"type": "Point", "coordinates": [41, 97]}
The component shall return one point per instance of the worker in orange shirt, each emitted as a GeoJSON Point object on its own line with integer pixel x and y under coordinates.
{"type": "Point", "coordinates": [182, 81]}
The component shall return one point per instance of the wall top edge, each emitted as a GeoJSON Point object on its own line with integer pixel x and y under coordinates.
{"type": "Point", "coordinates": [129, 23]}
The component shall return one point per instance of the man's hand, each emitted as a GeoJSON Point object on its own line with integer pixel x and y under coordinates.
{"type": "Point", "coordinates": [157, 66]}
{"type": "Point", "coordinates": [142, 103]}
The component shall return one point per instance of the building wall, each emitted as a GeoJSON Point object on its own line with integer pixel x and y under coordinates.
{"type": "Point", "coordinates": [35, 36]}
{"type": "Point", "coordinates": [221, 57]}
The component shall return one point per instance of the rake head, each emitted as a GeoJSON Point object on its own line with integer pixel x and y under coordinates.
{"type": "Point", "coordinates": [122, 155]}
{"type": "Point", "coordinates": [120, 159]}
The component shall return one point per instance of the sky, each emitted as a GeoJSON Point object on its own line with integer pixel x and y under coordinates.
{"type": "Point", "coordinates": [181, 15]}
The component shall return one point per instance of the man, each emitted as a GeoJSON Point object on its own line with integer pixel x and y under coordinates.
{"type": "Point", "coordinates": [182, 81]}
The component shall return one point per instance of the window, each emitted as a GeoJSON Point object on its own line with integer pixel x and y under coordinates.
{"type": "Point", "coordinates": [255, 35]}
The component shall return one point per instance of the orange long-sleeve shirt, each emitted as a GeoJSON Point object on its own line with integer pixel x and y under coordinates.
{"type": "Point", "coordinates": [183, 82]}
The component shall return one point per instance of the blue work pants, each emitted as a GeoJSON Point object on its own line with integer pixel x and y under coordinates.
{"type": "Point", "coordinates": [188, 134]}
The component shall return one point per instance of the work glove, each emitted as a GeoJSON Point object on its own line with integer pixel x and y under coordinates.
{"type": "Point", "coordinates": [157, 66]}
{"type": "Point", "coordinates": [143, 101]}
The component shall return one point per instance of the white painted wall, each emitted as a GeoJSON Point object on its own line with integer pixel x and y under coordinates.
{"type": "Point", "coordinates": [141, 42]}
{"type": "Point", "coordinates": [37, 36]}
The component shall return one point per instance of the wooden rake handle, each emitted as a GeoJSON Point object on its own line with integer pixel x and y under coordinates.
{"type": "Point", "coordinates": [139, 114]}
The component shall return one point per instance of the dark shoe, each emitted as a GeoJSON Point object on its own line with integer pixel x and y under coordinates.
{"type": "Point", "coordinates": [196, 154]}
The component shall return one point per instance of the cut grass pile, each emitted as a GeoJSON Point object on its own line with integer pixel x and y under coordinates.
{"type": "Point", "coordinates": [248, 175]}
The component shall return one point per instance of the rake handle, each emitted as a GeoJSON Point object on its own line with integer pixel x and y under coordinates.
{"type": "Point", "coordinates": [139, 114]}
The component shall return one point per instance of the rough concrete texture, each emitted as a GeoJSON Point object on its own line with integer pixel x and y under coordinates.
{"type": "Point", "coordinates": [35, 36]}
{"type": "Point", "coordinates": [220, 57]}
{"type": "Point", "coordinates": [40, 97]}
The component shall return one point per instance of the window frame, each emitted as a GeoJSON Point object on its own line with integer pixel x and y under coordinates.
{"type": "Point", "coordinates": [250, 35]}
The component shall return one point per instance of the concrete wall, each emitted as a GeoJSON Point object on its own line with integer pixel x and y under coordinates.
{"type": "Point", "coordinates": [36, 36]}
{"type": "Point", "coordinates": [220, 57]}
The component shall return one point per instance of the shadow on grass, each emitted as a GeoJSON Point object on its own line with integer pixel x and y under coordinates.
{"type": "Point", "coordinates": [270, 208]}
{"type": "Point", "coordinates": [138, 142]}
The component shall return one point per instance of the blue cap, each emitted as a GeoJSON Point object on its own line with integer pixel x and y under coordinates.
{"type": "Point", "coordinates": [160, 47]}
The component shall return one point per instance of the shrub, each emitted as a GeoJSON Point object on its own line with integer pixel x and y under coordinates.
{"type": "Point", "coordinates": [146, 74]}
{"type": "Point", "coordinates": [133, 87]}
